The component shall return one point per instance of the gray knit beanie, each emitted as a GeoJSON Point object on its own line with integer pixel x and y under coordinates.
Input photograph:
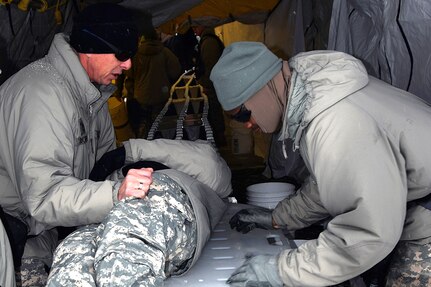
{"type": "Point", "coordinates": [242, 70]}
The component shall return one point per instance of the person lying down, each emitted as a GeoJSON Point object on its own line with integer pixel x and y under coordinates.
{"type": "Point", "coordinates": [144, 241]}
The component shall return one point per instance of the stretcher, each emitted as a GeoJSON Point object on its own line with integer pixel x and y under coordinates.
{"type": "Point", "coordinates": [226, 250]}
{"type": "Point", "coordinates": [185, 114]}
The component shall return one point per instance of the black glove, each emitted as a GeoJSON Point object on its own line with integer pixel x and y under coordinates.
{"type": "Point", "coordinates": [142, 164]}
{"type": "Point", "coordinates": [257, 271]}
{"type": "Point", "coordinates": [248, 219]}
{"type": "Point", "coordinates": [108, 163]}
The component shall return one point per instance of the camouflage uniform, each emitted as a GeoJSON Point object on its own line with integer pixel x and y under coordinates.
{"type": "Point", "coordinates": [32, 273]}
{"type": "Point", "coordinates": [410, 266]}
{"type": "Point", "coordinates": [141, 242]}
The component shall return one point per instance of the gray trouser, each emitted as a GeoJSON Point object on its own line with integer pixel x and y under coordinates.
{"type": "Point", "coordinates": [140, 243]}
{"type": "Point", "coordinates": [410, 266]}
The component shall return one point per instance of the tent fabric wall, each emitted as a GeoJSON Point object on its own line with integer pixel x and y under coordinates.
{"type": "Point", "coordinates": [297, 26]}
{"type": "Point", "coordinates": [284, 29]}
{"type": "Point", "coordinates": [392, 38]}
{"type": "Point", "coordinates": [26, 35]}
{"type": "Point", "coordinates": [236, 31]}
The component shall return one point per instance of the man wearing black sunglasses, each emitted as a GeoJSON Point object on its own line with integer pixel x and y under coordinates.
{"type": "Point", "coordinates": [55, 125]}
{"type": "Point", "coordinates": [104, 49]}
{"type": "Point", "coordinates": [366, 145]}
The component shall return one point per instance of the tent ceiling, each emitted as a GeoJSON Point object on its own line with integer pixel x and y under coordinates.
{"type": "Point", "coordinates": [162, 10]}
{"type": "Point", "coordinates": [171, 14]}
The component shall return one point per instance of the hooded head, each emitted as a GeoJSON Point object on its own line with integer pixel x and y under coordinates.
{"type": "Point", "coordinates": [105, 28]}
{"type": "Point", "coordinates": [242, 70]}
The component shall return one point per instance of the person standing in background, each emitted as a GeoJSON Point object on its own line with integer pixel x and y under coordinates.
{"type": "Point", "coordinates": [210, 48]}
{"type": "Point", "coordinates": [155, 69]}
{"type": "Point", "coordinates": [183, 45]}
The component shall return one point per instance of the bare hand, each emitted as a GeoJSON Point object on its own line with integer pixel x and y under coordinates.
{"type": "Point", "coordinates": [136, 183]}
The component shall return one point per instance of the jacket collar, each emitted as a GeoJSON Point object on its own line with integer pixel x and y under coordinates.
{"type": "Point", "coordinates": [319, 80]}
{"type": "Point", "coordinates": [65, 60]}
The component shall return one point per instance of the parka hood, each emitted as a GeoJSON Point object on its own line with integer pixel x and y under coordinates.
{"type": "Point", "coordinates": [319, 80]}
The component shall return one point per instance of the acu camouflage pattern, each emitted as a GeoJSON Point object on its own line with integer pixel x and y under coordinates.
{"type": "Point", "coordinates": [32, 273]}
{"type": "Point", "coordinates": [410, 266]}
{"type": "Point", "coordinates": [140, 243]}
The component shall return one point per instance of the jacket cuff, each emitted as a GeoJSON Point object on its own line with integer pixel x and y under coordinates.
{"type": "Point", "coordinates": [115, 189]}
{"type": "Point", "coordinates": [128, 149]}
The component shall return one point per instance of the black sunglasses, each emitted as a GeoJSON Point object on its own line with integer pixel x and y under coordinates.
{"type": "Point", "coordinates": [242, 116]}
{"type": "Point", "coordinates": [121, 56]}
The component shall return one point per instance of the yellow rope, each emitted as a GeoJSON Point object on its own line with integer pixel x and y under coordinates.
{"type": "Point", "coordinates": [44, 6]}
{"type": "Point", "coordinates": [56, 6]}
{"type": "Point", "coordinates": [5, 2]}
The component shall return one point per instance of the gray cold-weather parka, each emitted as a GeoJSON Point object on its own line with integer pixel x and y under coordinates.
{"type": "Point", "coordinates": [54, 125]}
{"type": "Point", "coordinates": [367, 147]}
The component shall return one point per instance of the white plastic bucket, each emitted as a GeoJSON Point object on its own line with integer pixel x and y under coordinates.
{"type": "Point", "coordinates": [269, 194]}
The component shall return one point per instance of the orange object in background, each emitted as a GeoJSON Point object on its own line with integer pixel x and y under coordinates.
{"type": "Point", "coordinates": [120, 119]}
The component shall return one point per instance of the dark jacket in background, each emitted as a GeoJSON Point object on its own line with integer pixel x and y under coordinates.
{"type": "Point", "coordinates": [155, 68]}
{"type": "Point", "coordinates": [210, 49]}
